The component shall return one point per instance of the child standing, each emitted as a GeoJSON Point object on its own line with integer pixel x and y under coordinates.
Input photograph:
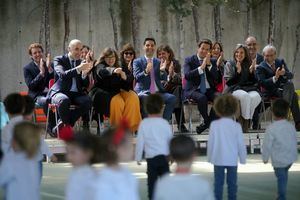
{"type": "Point", "coordinates": [81, 153]}
{"type": "Point", "coordinates": [114, 180]}
{"type": "Point", "coordinates": [14, 107]}
{"type": "Point", "coordinates": [153, 138]}
{"type": "Point", "coordinates": [28, 110]}
{"type": "Point", "coordinates": [183, 185]}
{"type": "Point", "coordinates": [225, 146]}
{"type": "Point", "coordinates": [280, 143]}
{"type": "Point", "coordinates": [19, 174]}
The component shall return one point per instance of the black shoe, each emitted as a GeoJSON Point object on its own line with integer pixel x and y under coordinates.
{"type": "Point", "coordinates": [85, 126]}
{"type": "Point", "coordinates": [201, 128]}
{"type": "Point", "coordinates": [183, 129]}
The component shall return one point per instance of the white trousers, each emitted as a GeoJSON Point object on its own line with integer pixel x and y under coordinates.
{"type": "Point", "coordinates": [249, 101]}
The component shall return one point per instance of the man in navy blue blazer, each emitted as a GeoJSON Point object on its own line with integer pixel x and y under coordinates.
{"type": "Point", "coordinates": [253, 46]}
{"type": "Point", "coordinates": [68, 89]}
{"type": "Point", "coordinates": [202, 76]}
{"type": "Point", "coordinates": [276, 79]}
{"type": "Point", "coordinates": [37, 75]}
{"type": "Point", "coordinates": [148, 76]}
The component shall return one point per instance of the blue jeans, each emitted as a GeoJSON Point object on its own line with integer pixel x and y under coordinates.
{"type": "Point", "coordinates": [231, 179]}
{"type": "Point", "coordinates": [282, 179]}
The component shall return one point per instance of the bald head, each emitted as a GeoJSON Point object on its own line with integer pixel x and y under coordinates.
{"type": "Point", "coordinates": [252, 45]}
{"type": "Point", "coordinates": [74, 48]}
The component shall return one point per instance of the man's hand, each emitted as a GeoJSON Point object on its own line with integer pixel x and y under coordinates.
{"type": "Point", "coordinates": [89, 56]}
{"type": "Point", "coordinates": [41, 67]}
{"type": "Point", "coordinates": [279, 72]}
{"type": "Point", "coordinates": [208, 55]}
{"type": "Point", "coordinates": [149, 66]}
{"type": "Point", "coordinates": [85, 68]}
{"type": "Point", "coordinates": [118, 70]}
{"type": "Point", "coordinates": [48, 63]}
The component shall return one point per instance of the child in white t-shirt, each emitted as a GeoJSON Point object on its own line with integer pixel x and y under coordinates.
{"type": "Point", "coordinates": [114, 180]}
{"type": "Point", "coordinates": [226, 146]}
{"type": "Point", "coordinates": [183, 184]}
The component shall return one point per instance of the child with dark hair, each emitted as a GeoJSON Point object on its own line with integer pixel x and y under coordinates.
{"type": "Point", "coordinates": [226, 146]}
{"type": "Point", "coordinates": [19, 174]}
{"type": "Point", "coordinates": [280, 143]}
{"type": "Point", "coordinates": [14, 107]}
{"type": "Point", "coordinates": [116, 181]}
{"type": "Point", "coordinates": [81, 152]}
{"type": "Point", "coordinates": [153, 138]}
{"type": "Point", "coordinates": [29, 106]}
{"type": "Point", "coordinates": [183, 185]}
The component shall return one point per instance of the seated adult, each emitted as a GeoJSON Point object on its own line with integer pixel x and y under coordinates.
{"type": "Point", "coordinates": [146, 71]}
{"type": "Point", "coordinates": [257, 58]}
{"type": "Point", "coordinates": [68, 89]}
{"type": "Point", "coordinates": [112, 95]}
{"type": "Point", "coordinates": [239, 75]}
{"type": "Point", "coordinates": [37, 75]}
{"type": "Point", "coordinates": [218, 54]}
{"type": "Point", "coordinates": [173, 85]}
{"type": "Point", "coordinates": [201, 74]}
{"type": "Point", "coordinates": [276, 79]}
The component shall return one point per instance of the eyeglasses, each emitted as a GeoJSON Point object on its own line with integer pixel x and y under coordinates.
{"type": "Point", "coordinates": [128, 53]}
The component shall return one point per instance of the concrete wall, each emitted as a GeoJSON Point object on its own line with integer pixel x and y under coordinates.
{"type": "Point", "coordinates": [90, 22]}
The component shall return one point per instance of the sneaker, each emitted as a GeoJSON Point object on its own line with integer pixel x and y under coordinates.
{"type": "Point", "coordinates": [201, 128]}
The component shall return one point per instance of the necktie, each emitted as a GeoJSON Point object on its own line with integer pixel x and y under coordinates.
{"type": "Point", "coordinates": [152, 78]}
{"type": "Point", "coordinates": [273, 67]}
{"type": "Point", "coordinates": [74, 85]}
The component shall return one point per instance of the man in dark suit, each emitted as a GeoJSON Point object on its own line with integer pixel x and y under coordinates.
{"type": "Point", "coordinates": [148, 76]}
{"type": "Point", "coordinates": [37, 75]}
{"type": "Point", "coordinates": [68, 89]}
{"type": "Point", "coordinates": [253, 46]}
{"type": "Point", "coordinates": [201, 74]}
{"type": "Point", "coordinates": [276, 80]}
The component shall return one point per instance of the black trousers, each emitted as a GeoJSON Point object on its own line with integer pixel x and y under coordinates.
{"type": "Point", "coordinates": [156, 167]}
{"type": "Point", "coordinates": [64, 100]}
{"type": "Point", "coordinates": [202, 101]}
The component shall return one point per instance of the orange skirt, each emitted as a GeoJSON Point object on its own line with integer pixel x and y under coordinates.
{"type": "Point", "coordinates": [125, 105]}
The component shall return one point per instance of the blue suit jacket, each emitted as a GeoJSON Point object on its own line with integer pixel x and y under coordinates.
{"type": "Point", "coordinates": [265, 74]}
{"type": "Point", "coordinates": [143, 81]}
{"type": "Point", "coordinates": [35, 82]}
{"type": "Point", "coordinates": [193, 78]}
{"type": "Point", "coordinates": [64, 75]}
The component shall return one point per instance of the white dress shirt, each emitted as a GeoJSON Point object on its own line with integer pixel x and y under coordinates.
{"type": "Point", "coordinates": [7, 133]}
{"type": "Point", "coordinates": [226, 143]}
{"type": "Point", "coordinates": [280, 143]}
{"type": "Point", "coordinates": [19, 176]}
{"type": "Point", "coordinates": [81, 184]}
{"type": "Point", "coordinates": [154, 135]}
{"type": "Point", "coordinates": [116, 183]}
{"type": "Point", "coordinates": [182, 187]}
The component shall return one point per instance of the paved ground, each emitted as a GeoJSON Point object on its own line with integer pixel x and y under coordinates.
{"type": "Point", "coordinates": [256, 180]}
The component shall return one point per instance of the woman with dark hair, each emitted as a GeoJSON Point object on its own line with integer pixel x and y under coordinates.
{"type": "Point", "coordinates": [112, 95]}
{"type": "Point", "coordinates": [239, 75]}
{"type": "Point", "coordinates": [173, 85]}
{"type": "Point", "coordinates": [218, 54]}
{"type": "Point", "coordinates": [127, 55]}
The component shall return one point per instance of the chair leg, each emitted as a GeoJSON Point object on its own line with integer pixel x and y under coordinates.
{"type": "Point", "coordinates": [190, 119]}
{"type": "Point", "coordinates": [47, 122]}
{"type": "Point", "coordinates": [91, 117]}
{"type": "Point", "coordinates": [56, 121]}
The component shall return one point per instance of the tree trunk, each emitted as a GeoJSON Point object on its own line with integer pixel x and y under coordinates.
{"type": "Point", "coordinates": [135, 26]}
{"type": "Point", "coordinates": [296, 54]}
{"type": "Point", "coordinates": [90, 25]}
{"type": "Point", "coordinates": [67, 25]}
{"type": "Point", "coordinates": [248, 18]}
{"type": "Point", "coordinates": [114, 23]}
{"type": "Point", "coordinates": [271, 22]}
{"type": "Point", "coordinates": [42, 25]}
{"type": "Point", "coordinates": [47, 27]}
{"type": "Point", "coordinates": [217, 23]}
{"type": "Point", "coordinates": [180, 35]}
{"type": "Point", "coordinates": [196, 22]}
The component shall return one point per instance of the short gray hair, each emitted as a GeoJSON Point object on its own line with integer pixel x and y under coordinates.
{"type": "Point", "coordinates": [74, 42]}
{"type": "Point", "coordinates": [269, 46]}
